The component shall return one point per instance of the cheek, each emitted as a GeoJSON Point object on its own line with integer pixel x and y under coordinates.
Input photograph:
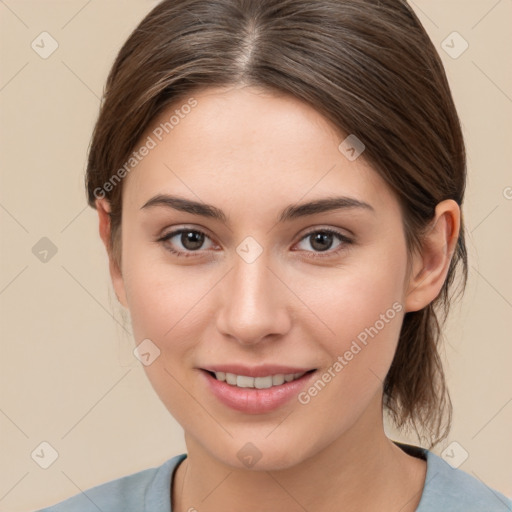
{"type": "Point", "coordinates": [356, 298]}
{"type": "Point", "coordinates": [157, 294]}
{"type": "Point", "coordinates": [165, 305]}
{"type": "Point", "coordinates": [361, 312]}
{"type": "Point", "coordinates": [366, 316]}
{"type": "Point", "coordinates": [162, 300]}
{"type": "Point", "coordinates": [169, 305]}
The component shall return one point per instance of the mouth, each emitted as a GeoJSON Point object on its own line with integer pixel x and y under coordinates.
{"type": "Point", "coordinates": [263, 382]}
{"type": "Point", "coordinates": [256, 395]}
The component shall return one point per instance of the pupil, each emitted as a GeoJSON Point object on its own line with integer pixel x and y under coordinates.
{"type": "Point", "coordinates": [192, 240]}
{"type": "Point", "coordinates": [321, 238]}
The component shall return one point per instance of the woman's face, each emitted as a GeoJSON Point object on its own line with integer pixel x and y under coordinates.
{"type": "Point", "coordinates": [261, 283]}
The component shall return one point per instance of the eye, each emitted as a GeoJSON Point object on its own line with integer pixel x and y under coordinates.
{"type": "Point", "coordinates": [322, 239]}
{"type": "Point", "coordinates": [191, 241]}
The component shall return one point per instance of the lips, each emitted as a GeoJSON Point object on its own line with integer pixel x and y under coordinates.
{"type": "Point", "coordinates": [251, 399]}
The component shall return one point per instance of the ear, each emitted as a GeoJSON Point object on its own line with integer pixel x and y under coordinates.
{"type": "Point", "coordinates": [103, 208]}
{"type": "Point", "coordinates": [430, 266]}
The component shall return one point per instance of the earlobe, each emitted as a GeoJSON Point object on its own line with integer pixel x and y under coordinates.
{"type": "Point", "coordinates": [430, 267]}
{"type": "Point", "coordinates": [103, 208]}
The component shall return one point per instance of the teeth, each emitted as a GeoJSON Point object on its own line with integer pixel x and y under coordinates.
{"type": "Point", "coordinates": [278, 379]}
{"type": "Point", "coordinates": [243, 381]}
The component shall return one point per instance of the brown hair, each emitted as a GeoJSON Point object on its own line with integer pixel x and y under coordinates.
{"type": "Point", "coordinates": [370, 68]}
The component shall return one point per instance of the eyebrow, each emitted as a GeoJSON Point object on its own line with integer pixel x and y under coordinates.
{"type": "Point", "coordinates": [289, 213]}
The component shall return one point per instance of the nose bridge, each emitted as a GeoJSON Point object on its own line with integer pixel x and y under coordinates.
{"type": "Point", "coordinates": [253, 299]}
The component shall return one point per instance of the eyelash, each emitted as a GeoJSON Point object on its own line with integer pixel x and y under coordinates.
{"type": "Point", "coordinates": [344, 239]}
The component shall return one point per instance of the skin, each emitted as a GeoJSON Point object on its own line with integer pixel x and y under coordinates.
{"type": "Point", "coordinates": [252, 153]}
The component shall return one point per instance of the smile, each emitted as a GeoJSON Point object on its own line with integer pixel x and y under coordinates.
{"type": "Point", "coordinates": [244, 381]}
{"type": "Point", "coordinates": [255, 395]}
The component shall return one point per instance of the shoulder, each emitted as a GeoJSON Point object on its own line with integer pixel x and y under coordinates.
{"type": "Point", "coordinates": [145, 490]}
{"type": "Point", "coordinates": [448, 488]}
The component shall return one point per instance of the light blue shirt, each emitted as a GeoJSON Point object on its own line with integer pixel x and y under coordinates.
{"type": "Point", "coordinates": [446, 490]}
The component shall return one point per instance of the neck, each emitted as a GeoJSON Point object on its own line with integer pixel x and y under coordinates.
{"type": "Point", "coordinates": [362, 469]}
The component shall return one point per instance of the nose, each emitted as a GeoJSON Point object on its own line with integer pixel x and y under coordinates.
{"type": "Point", "coordinates": [255, 302]}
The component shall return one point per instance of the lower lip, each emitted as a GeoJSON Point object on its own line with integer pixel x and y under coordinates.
{"type": "Point", "coordinates": [252, 400]}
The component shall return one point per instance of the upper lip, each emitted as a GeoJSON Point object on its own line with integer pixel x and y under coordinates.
{"type": "Point", "coordinates": [255, 371]}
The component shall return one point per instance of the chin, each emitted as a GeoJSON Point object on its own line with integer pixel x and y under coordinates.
{"type": "Point", "coordinates": [261, 455]}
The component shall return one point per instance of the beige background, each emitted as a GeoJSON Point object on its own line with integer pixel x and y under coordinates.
{"type": "Point", "coordinates": [68, 375]}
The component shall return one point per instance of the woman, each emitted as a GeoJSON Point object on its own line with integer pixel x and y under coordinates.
{"type": "Point", "coordinates": [279, 187]}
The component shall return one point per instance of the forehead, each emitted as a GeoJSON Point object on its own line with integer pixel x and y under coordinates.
{"type": "Point", "coordinates": [248, 147]}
